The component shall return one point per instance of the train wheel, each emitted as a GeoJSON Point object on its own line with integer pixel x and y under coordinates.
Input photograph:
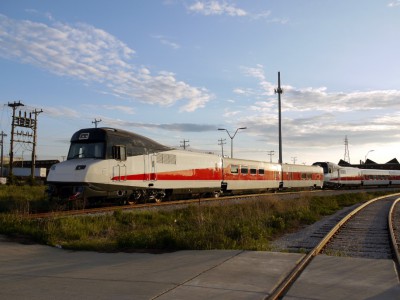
{"type": "Point", "coordinates": [56, 204]}
{"type": "Point", "coordinates": [158, 196]}
{"type": "Point", "coordinates": [134, 197]}
{"type": "Point", "coordinates": [79, 203]}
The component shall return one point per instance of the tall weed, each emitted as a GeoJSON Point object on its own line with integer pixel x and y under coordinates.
{"type": "Point", "coordinates": [250, 225]}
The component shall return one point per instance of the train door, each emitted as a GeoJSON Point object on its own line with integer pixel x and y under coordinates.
{"type": "Point", "coordinates": [150, 167]}
{"type": "Point", "coordinates": [119, 169]}
{"type": "Point", "coordinates": [119, 172]}
{"type": "Point", "coordinates": [338, 177]}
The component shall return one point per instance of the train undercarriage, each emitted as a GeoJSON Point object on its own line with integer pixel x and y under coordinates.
{"type": "Point", "coordinates": [78, 196]}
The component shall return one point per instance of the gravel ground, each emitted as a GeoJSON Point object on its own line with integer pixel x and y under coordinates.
{"type": "Point", "coordinates": [307, 238]}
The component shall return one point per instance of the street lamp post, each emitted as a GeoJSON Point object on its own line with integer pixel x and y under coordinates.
{"type": "Point", "coordinates": [367, 155]}
{"type": "Point", "coordinates": [232, 136]}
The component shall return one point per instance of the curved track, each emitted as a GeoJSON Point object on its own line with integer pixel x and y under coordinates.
{"type": "Point", "coordinates": [371, 230]}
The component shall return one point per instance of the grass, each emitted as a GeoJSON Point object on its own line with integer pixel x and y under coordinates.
{"type": "Point", "coordinates": [248, 226]}
{"type": "Point", "coordinates": [22, 199]}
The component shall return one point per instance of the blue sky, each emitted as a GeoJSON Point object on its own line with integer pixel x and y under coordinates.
{"type": "Point", "coordinates": [178, 70]}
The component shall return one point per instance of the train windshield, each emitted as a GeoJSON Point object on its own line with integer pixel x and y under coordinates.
{"type": "Point", "coordinates": [86, 150]}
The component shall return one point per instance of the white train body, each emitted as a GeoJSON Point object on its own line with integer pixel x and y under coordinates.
{"type": "Point", "coordinates": [106, 163]}
{"type": "Point", "coordinates": [338, 176]}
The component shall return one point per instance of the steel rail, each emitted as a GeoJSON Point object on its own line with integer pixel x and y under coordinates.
{"type": "Point", "coordinates": [284, 285]}
{"type": "Point", "coordinates": [393, 238]}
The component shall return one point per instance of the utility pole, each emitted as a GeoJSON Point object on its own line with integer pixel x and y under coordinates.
{"type": "Point", "coordinates": [14, 107]}
{"type": "Point", "coordinates": [95, 122]}
{"type": "Point", "coordinates": [184, 145]}
{"type": "Point", "coordinates": [34, 128]}
{"type": "Point", "coordinates": [279, 91]}
{"type": "Point", "coordinates": [294, 158]}
{"type": "Point", "coordinates": [2, 135]}
{"type": "Point", "coordinates": [270, 153]}
{"type": "Point", "coordinates": [222, 143]}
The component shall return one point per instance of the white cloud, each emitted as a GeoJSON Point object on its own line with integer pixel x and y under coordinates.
{"type": "Point", "coordinates": [228, 113]}
{"type": "Point", "coordinates": [124, 109]}
{"type": "Point", "coordinates": [316, 117]}
{"type": "Point", "coordinates": [394, 3]}
{"type": "Point", "coordinates": [61, 111]}
{"type": "Point", "coordinates": [214, 7]}
{"type": "Point", "coordinates": [92, 55]}
{"type": "Point", "coordinates": [258, 72]}
{"type": "Point", "coordinates": [167, 42]}
{"type": "Point", "coordinates": [220, 8]}
{"type": "Point", "coordinates": [319, 99]}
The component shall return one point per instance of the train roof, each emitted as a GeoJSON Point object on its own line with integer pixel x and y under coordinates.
{"type": "Point", "coordinates": [102, 133]}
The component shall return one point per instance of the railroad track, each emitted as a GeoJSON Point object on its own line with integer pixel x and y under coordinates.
{"type": "Point", "coordinates": [167, 204]}
{"type": "Point", "coordinates": [371, 230]}
{"type": "Point", "coordinates": [110, 209]}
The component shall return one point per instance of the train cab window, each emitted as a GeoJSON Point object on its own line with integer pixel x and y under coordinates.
{"type": "Point", "coordinates": [261, 171]}
{"type": "Point", "coordinates": [119, 152]}
{"type": "Point", "coordinates": [244, 170]}
{"type": "Point", "coordinates": [253, 171]}
{"type": "Point", "coordinates": [234, 169]}
{"type": "Point", "coordinates": [86, 150]}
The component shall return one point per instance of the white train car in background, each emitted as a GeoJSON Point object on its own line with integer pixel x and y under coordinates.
{"type": "Point", "coordinates": [336, 176]}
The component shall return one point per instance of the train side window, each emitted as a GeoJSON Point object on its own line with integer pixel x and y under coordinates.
{"type": "Point", "coordinates": [253, 171]}
{"type": "Point", "coordinates": [119, 152]}
{"type": "Point", "coordinates": [244, 170]}
{"type": "Point", "coordinates": [261, 171]}
{"type": "Point", "coordinates": [234, 169]}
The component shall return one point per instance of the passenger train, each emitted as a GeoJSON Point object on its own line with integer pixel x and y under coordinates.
{"type": "Point", "coordinates": [106, 164]}
{"type": "Point", "coordinates": [336, 176]}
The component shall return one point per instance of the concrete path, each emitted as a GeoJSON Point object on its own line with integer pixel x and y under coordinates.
{"type": "Point", "coordinates": [41, 272]}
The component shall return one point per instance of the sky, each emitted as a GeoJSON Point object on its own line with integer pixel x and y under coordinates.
{"type": "Point", "coordinates": [177, 70]}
